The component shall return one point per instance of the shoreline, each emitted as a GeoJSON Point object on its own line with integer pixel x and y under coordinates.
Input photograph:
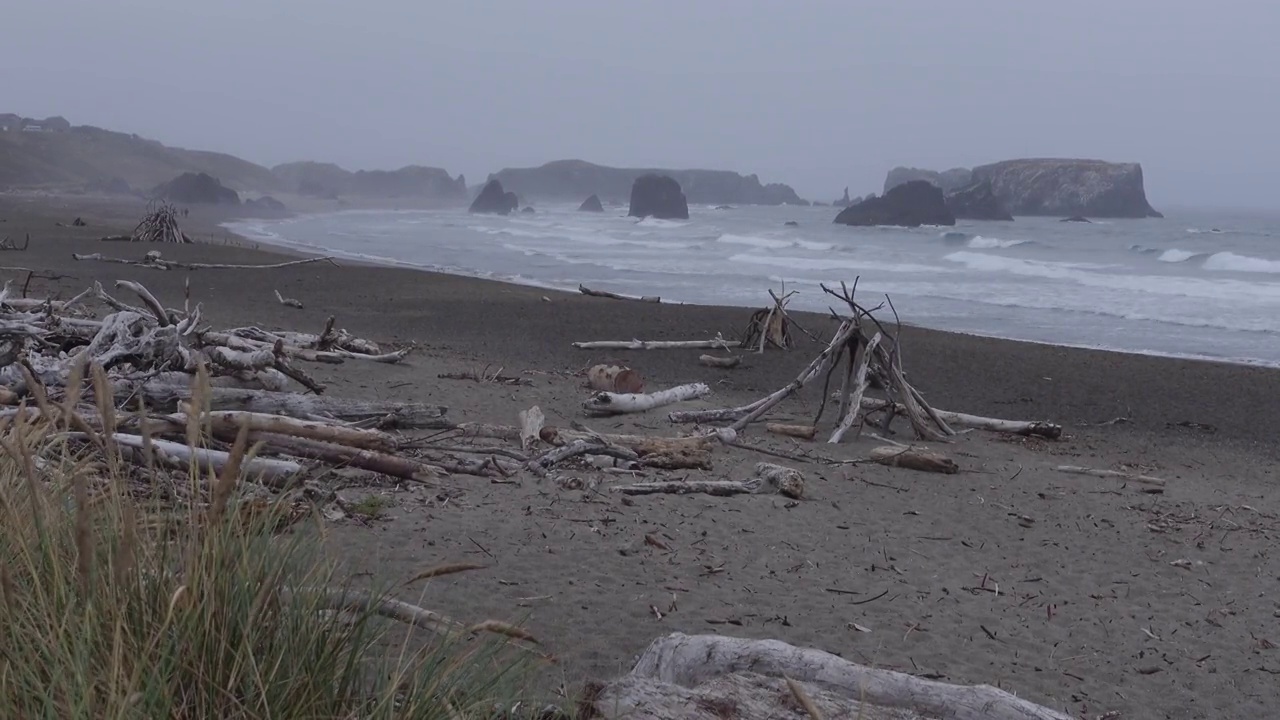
{"type": "Point", "coordinates": [285, 248]}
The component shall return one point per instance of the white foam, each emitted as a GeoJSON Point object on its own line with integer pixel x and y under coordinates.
{"type": "Point", "coordinates": [753, 241]}
{"type": "Point", "coordinates": [799, 263]}
{"type": "Point", "coordinates": [985, 243]}
{"type": "Point", "coordinates": [815, 246]}
{"type": "Point", "coordinates": [653, 222]}
{"type": "Point", "coordinates": [1231, 262]}
{"type": "Point", "coordinates": [1176, 256]}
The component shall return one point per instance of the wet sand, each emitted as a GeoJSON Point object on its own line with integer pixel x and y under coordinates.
{"type": "Point", "coordinates": [1080, 593]}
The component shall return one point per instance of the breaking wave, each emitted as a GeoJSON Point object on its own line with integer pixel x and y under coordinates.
{"type": "Point", "coordinates": [1231, 262]}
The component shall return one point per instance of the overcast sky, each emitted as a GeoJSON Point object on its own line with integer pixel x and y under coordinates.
{"type": "Point", "coordinates": [816, 94]}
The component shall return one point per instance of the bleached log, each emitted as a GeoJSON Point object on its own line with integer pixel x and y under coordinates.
{"type": "Point", "coordinates": [155, 261]}
{"type": "Point", "coordinates": [617, 296]}
{"type": "Point", "coordinates": [641, 444]}
{"type": "Point", "coordinates": [230, 421]}
{"type": "Point", "coordinates": [747, 694]}
{"type": "Point", "coordinates": [1037, 428]}
{"type": "Point", "coordinates": [914, 459]}
{"type": "Point", "coordinates": [691, 660]}
{"type": "Point", "coordinates": [607, 403]}
{"type": "Point", "coordinates": [165, 398]}
{"type": "Point", "coordinates": [714, 415]}
{"type": "Point", "coordinates": [731, 361]}
{"type": "Point", "coordinates": [543, 462]}
{"type": "Point", "coordinates": [723, 488]}
{"type": "Point", "coordinates": [851, 397]}
{"type": "Point", "coordinates": [531, 423]}
{"type": "Point", "coordinates": [804, 432]}
{"type": "Point", "coordinates": [260, 359]}
{"type": "Point", "coordinates": [331, 356]}
{"type": "Point", "coordinates": [716, 343]}
{"type": "Point", "coordinates": [342, 455]}
{"type": "Point", "coordinates": [677, 461]}
{"type": "Point", "coordinates": [1117, 474]}
{"type": "Point", "coordinates": [268, 471]}
{"type": "Point", "coordinates": [789, 481]}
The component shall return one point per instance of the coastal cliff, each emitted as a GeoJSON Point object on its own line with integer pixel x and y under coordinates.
{"type": "Point", "coordinates": [1049, 186]}
{"type": "Point", "coordinates": [331, 181]}
{"type": "Point", "coordinates": [566, 180]}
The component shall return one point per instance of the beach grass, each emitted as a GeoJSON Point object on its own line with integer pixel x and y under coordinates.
{"type": "Point", "coordinates": [116, 603]}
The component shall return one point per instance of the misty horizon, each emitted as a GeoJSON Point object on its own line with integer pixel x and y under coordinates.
{"type": "Point", "coordinates": [819, 99]}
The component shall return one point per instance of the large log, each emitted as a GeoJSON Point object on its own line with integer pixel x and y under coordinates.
{"type": "Point", "coordinates": [641, 444]}
{"type": "Point", "coordinates": [341, 455]}
{"type": "Point", "coordinates": [229, 421]}
{"type": "Point", "coordinates": [717, 343]}
{"type": "Point", "coordinates": [165, 398]}
{"type": "Point", "coordinates": [689, 487]}
{"type": "Point", "coordinates": [268, 471]}
{"type": "Point", "coordinates": [692, 660]}
{"type": "Point", "coordinates": [608, 403]}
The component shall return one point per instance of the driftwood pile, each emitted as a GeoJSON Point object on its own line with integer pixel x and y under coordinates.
{"type": "Point", "coordinates": [160, 224]}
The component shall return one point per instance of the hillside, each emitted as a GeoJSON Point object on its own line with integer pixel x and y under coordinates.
{"type": "Point", "coordinates": [86, 156]}
{"type": "Point", "coordinates": [573, 180]}
{"type": "Point", "coordinates": [327, 180]}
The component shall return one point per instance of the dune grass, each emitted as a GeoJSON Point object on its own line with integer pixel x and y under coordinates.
{"type": "Point", "coordinates": [113, 605]}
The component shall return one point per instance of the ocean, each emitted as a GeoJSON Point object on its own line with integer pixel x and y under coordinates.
{"type": "Point", "coordinates": [1199, 284]}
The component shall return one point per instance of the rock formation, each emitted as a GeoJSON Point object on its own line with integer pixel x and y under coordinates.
{"type": "Point", "coordinates": [1041, 186]}
{"type": "Point", "coordinates": [529, 209]}
{"type": "Point", "coordinates": [591, 204]}
{"type": "Point", "coordinates": [1076, 219]}
{"type": "Point", "coordinates": [844, 201]}
{"type": "Point", "coordinates": [568, 180]}
{"type": "Point", "coordinates": [196, 189]}
{"type": "Point", "coordinates": [911, 204]}
{"type": "Point", "coordinates": [658, 196]}
{"type": "Point", "coordinates": [977, 202]}
{"type": "Point", "coordinates": [494, 200]}
{"type": "Point", "coordinates": [265, 206]}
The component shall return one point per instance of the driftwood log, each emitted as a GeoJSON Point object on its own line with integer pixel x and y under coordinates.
{"type": "Point", "coordinates": [689, 666]}
{"type": "Point", "coordinates": [1038, 428]}
{"type": "Point", "coordinates": [609, 403]}
{"type": "Point", "coordinates": [788, 481]}
{"type": "Point", "coordinates": [716, 361]}
{"type": "Point", "coordinates": [689, 487]}
{"type": "Point", "coordinates": [914, 459]}
{"type": "Point", "coordinates": [1116, 474]}
{"type": "Point", "coordinates": [615, 379]}
{"type": "Point", "coordinates": [716, 343]}
{"type": "Point", "coordinates": [616, 296]}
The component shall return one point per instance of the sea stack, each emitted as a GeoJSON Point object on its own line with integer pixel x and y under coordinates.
{"type": "Point", "coordinates": [494, 200]}
{"type": "Point", "coordinates": [911, 204]}
{"type": "Point", "coordinates": [658, 196]}
{"type": "Point", "coordinates": [591, 204]}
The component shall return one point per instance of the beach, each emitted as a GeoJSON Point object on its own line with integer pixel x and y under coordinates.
{"type": "Point", "coordinates": [1089, 595]}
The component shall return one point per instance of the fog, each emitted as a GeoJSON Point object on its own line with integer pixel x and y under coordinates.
{"type": "Point", "coordinates": [819, 95]}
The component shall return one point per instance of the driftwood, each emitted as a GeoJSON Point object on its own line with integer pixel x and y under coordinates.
{"type": "Point", "coordinates": [788, 481]}
{"type": "Point", "coordinates": [154, 260]}
{"type": "Point", "coordinates": [914, 459]}
{"type": "Point", "coordinates": [692, 661]}
{"type": "Point", "coordinates": [7, 244]}
{"type": "Point", "coordinates": [1117, 474]}
{"type": "Point", "coordinates": [770, 326]}
{"type": "Point", "coordinates": [385, 414]}
{"type": "Point", "coordinates": [615, 296]}
{"type": "Point", "coordinates": [288, 302]}
{"type": "Point", "coordinates": [342, 455]}
{"type": "Point", "coordinates": [640, 444]}
{"type": "Point", "coordinates": [229, 422]}
{"type": "Point", "coordinates": [855, 387]}
{"type": "Point", "coordinates": [531, 424]}
{"type": "Point", "coordinates": [730, 361]}
{"type": "Point", "coordinates": [608, 403]}
{"type": "Point", "coordinates": [268, 471]}
{"type": "Point", "coordinates": [1038, 428]}
{"type": "Point", "coordinates": [716, 343]}
{"type": "Point", "coordinates": [804, 432]}
{"type": "Point", "coordinates": [690, 487]}
{"type": "Point", "coordinates": [614, 378]}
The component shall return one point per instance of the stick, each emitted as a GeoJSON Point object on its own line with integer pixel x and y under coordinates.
{"type": "Point", "coordinates": [732, 361]}
{"type": "Point", "coordinates": [150, 300]}
{"type": "Point", "coordinates": [847, 328]}
{"type": "Point", "coordinates": [915, 459]}
{"type": "Point", "coordinates": [722, 488]}
{"type": "Point", "coordinates": [851, 401]}
{"type": "Point", "coordinates": [615, 296]}
{"type": "Point", "coordinates": [718, 343]}
{"type": "Point", "coordinates": [804, 432]}
{"type": "Point", "coordinates": [607, 403]}
{"type": "Point", "coordinates": [341, 455]}
{"type": "Point", "coordinates": [1119, 475]}
{"type": "Point", "coordinates": [1038, 428]}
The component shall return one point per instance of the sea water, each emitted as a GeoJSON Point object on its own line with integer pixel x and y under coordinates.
{"type": "Point", "coordinates": [1194, 284]}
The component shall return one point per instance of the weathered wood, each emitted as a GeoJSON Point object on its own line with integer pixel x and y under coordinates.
{"type": "Point", "coordinates": [268, 471]}
{"type": "Point", "coordinates": [815, 368]}
{"type": "Point", "coordinates": [804, 432]}
{"type": "Point", "coordinates": [788, 481]}
{"type": "Point", "coordinates": [342, 455]}
{"type": "Point", "coordinates": [914, 459]}
{"type": "Point", "coordinates": [641, 444]}
{"type": "Point", "coordinates": [691, 660]}
{"type": "Point", "coordinates": [851, 397]}
{"type": "Point", "coordinates": [288, 302]}
{"type": "Point", "coordinates": [677, 461]}
{"type": "Point", "coordinates": [1037, 428]}
{"type": "Point", "coordinates": [165, 398]}
{"type": "Point", "coordinates": [716, 343]}
{"type": "Point", "coordinates": [731, 361]}
{"type": "Point", "coordinates": [229, 421]}
{"type": "Point", "coordinates": [617, 296]}
{"type": "Point", "coordinates": [608, 403]}
{"type": "Point", "coordinates": [1117, 474]}
{"type": "Point", "coordinates": [722, 488]}
{"type": "Point", "coordinates": [531, 424]}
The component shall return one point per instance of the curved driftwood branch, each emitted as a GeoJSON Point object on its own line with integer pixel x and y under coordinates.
{"type": "Point", "coordinates": [607, 403]}
{"type": "Point", "coordinates": [691, 660]}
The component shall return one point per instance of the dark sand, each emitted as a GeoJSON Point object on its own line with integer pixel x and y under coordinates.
{"type": "Point", "coordinates": [1057, 587]}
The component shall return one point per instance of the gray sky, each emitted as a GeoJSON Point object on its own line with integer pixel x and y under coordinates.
{"type": "Point", "coordinates": [813, 93]}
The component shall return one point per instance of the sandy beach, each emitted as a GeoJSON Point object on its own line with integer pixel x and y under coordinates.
{"type": "Point", "coordinates": [1085, 594]}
